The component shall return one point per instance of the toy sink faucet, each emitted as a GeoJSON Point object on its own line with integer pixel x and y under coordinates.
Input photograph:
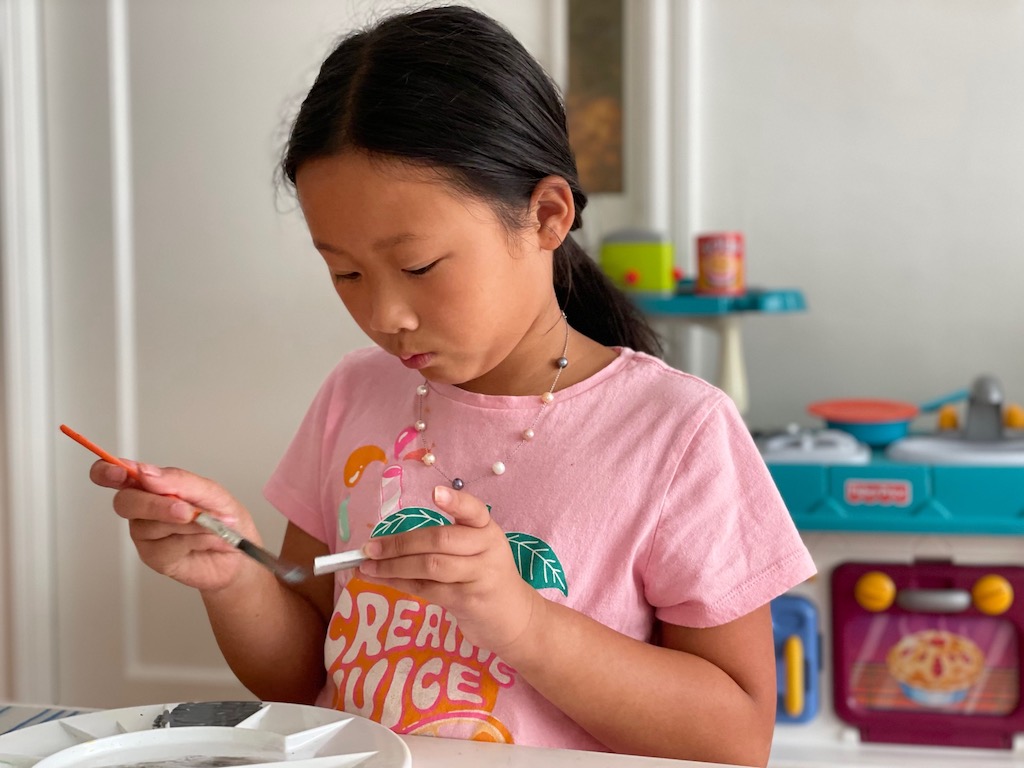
{"type": "Point", "coordinates": [984, 410]}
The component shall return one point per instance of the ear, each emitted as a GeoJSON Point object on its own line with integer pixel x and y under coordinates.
{"type": "Point", "coordinates": [552, 211]}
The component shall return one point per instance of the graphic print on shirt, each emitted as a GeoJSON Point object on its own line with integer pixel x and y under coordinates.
{"type": "Point", "coordinates": [403, 661]}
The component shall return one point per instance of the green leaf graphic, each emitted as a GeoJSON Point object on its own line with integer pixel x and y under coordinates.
{"type": "Point", "coordinates": [537, 562]}
{"type": "Point", "coordinates": [408, 519]}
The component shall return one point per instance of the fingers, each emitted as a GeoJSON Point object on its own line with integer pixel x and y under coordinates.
{"type": "Point", "coordinates": [167, 548]}
{"type": "Point", "coordinates": [463, 507]}
{"type": "Point", "coordinates": [160, 505]}
{"type": "Point", "coordinates": [109, 475]}
{"type": "Point", "coordinates": [440, 553]}
{"type": "Point", "coordinates": [196, 537]}
{"type": "Point", "coordinates": [422, 569]}
{"type": "Point", "coordinates": [137, 504]}
{"type": "Point", "coordinates": [463, 539]}
{"type": "Point", "coordinates": [442, 539]}
{"type": "Point", "coordinates": [193, 488]}
{"type": "Point", "coordinates": [163, 493]}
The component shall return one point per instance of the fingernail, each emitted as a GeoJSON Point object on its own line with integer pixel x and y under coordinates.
{"type": "Point", "coordinates": [149, 470]}
{"type": "Point", "coordinates": [371, 548]}
{"type": "Point", "coordinates": [227, 519]}
{"type": "Point", "coordinates": [182, 511]}
{"type": "Point", "coordinates": [442, 495]}
{"type": "Point", "coordinates": [116, 474]}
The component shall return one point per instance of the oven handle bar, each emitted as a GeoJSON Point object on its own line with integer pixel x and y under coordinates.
{"type": "Point", "coordinates": [934, 600]}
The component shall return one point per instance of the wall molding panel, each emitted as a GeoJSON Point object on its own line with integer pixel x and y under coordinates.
{"type": "Point", "coordinates": [27, 357]}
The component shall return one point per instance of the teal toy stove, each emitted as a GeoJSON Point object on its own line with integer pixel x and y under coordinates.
{"type": "Point", "coordinates": [968, 481]}
{"type": "Point", "coordinates": [884, 495]}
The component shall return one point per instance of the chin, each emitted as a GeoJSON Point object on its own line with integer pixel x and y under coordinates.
{"type": "Point", "coordinates": [438, 374]}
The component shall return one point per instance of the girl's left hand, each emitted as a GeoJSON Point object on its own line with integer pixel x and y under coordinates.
{"type": "Point", "coordinates": [467, 568]}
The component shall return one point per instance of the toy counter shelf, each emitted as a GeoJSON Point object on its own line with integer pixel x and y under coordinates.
{"type": "Point", "coordinates": [721, 314]}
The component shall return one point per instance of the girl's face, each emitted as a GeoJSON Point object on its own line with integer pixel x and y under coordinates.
{"type": "Point", "coordinates": [432, 276]}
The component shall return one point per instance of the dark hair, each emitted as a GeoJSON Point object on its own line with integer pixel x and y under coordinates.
{"type": "Point", "coordinates": [452, 89]}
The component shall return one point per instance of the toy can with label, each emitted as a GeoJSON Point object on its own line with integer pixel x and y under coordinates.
{"type": "Point", "coordinates": [720, 267]}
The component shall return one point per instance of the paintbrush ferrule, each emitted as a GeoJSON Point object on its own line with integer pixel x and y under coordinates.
{"type": "Point", "coordinates": [211, 523]}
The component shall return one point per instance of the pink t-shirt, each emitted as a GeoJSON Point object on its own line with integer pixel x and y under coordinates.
{"type": "Point", "coordinates": [641, 497]}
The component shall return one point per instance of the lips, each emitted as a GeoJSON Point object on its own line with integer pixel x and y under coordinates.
{"type": "Point", "coordinates": [416, 361]}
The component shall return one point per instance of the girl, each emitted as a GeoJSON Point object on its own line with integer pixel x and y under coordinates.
{"type": "Point", "coordinates": [570, 543]}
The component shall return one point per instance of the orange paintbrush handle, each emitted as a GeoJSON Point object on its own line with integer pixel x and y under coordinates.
{"type": "Point", "coordinates": [107, 457]}
{"type": "Point", "coordinates": [111, 459]}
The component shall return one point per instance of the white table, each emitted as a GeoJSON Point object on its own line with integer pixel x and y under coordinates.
{"type": "Point", "coordinates": [427, 752]}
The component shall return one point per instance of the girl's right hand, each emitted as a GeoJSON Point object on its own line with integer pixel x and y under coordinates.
{"type": "Point", "coordinates": [165, 538]}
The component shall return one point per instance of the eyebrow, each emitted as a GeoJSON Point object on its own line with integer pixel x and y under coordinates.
{"type": "Point", "coordinates": [380, 245]}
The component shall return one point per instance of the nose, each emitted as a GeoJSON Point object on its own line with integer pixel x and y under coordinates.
{"type": "Point", "coordinates": [390, 312]}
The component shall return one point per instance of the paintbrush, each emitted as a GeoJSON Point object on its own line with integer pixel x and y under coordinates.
{"type": "Point", "coordinates": [286, 572]}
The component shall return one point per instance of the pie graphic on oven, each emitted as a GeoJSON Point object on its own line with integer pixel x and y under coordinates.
{"type": "Point", "coordinates": [935, 667]}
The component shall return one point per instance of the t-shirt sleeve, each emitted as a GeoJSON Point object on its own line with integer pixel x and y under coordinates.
{"type": "Point", "coordinates": [725, 543]}
{"type": "Point", "coordinates": [296, 485]}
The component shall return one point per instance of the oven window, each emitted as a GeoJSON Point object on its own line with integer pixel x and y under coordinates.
{"type": "Point", "coordinates": [932, 663]}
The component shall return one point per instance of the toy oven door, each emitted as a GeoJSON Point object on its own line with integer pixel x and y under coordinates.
{"type": "Point", "coordinates": [929, 652]}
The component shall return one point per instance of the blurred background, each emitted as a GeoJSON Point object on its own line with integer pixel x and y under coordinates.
{"type": "Point", "coordinates": [160, 294]}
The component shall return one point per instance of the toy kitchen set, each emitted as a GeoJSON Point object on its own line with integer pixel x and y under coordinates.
{"type": "Point", "coordinates": [919, 599]}
{"type": "Point", "coordinates": [907, 649]}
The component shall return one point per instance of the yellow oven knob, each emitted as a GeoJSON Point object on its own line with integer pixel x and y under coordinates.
{"type": "Point", "coordinates": [992, 594]}
{"type": "Point", "coordinates": [874, 591]}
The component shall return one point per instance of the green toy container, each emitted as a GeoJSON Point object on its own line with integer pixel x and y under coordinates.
{"type": "Point", "coordinates": [639, 262]}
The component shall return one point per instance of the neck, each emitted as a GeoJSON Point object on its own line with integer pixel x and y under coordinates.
{"type": "Point", "coordinates": [530, 368]}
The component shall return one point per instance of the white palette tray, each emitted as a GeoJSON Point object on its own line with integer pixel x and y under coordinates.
{"type": "Point", "coordinates": [275, 736]}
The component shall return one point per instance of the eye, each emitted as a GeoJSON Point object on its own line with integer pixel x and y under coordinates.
{"type": "Point", "coordinates": [422, 270]}
{"type": "Point", "coordinates": [345, 277]}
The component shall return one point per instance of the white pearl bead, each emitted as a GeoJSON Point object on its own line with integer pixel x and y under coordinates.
{"type": "Point", "coordinates": [528, 434]}
{"type": "Point", "coordinates": [429, 459]}
{"type": "Point", "coordinates": [420, 426]}
{"type": "Point", "coordinates": [498, 468]}
{"type": "Point", "coordinates": [421, 390]}
{"type": "Point", "coordinates": [547, 398]}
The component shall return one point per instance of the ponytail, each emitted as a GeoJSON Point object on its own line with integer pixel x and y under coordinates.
{"type": "Point", "coordinates": [595, 306]}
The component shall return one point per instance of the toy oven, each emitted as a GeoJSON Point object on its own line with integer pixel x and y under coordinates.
{"type": "Point", "coordinates": [930, 652]}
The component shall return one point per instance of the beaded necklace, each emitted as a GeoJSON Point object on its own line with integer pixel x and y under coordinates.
{"type": "Point", "coordinates": [498, 467]}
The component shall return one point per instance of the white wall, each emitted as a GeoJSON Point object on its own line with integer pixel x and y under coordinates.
{"type": "Point", "coordinates": [5, 576]}
{"type": "Point", "coordinates": [4, 572]}
{"type": "Point", "coordinates": [871, 151]}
